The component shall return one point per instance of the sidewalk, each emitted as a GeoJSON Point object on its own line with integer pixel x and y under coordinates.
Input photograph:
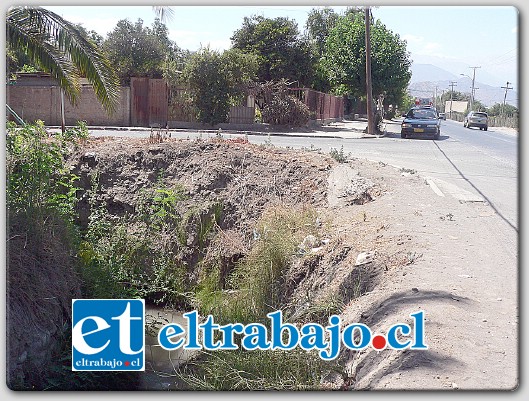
{"type": "Point", "coordinates": [346, 129]}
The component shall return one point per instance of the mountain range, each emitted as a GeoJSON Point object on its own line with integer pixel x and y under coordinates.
{"type": "Point", "coordinates": [426, 77]}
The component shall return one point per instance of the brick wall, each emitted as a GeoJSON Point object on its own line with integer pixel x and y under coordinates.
{"type": "Point", "coordinates": [44, 103]}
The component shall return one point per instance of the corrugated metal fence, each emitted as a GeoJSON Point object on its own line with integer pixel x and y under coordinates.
{"type": "Point", "coordinates": [323, 106]}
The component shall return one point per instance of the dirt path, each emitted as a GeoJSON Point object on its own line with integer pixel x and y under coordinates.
{"type": "Point", "coordinates": [465, 280]}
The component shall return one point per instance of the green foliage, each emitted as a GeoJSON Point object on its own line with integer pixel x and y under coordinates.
{"type": "Point", "coordinates": [344, 58]}
{"type": "Point", "coordinates": [257, 370]}
{"type": "Point", "coordinates": [319, 24]}
{"type": "Point", "coordinates": [499, 109]}
{"type": "Point", "coordinates": [406, 103]}
{"type": "Point", "coordinates": [217, 81]}
{"type": "Point", "coordinates": [38, 178]}
{"type": "Point", "coordinates": [55, 45]}
{"type": "Point", "coordinates": [280, 49]}
{"type": "Point", "coordinates": [136, 255]}
{"type": "Point", "coordinates": [257, 283]}
{"type": "Point", "coordinates": [338, 155]}
{"type": "Point", "coordinates": [137, 50]}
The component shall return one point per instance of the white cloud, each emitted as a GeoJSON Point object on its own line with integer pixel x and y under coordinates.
{"type": "Point", "coordinates": [418, 45]}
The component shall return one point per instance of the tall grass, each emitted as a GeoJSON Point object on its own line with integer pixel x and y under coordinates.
{"type": "Point", "coordinates": [256, 286]}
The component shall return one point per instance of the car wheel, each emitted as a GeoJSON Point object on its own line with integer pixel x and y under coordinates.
{"type": "Point", "coordinates": [437, 136]}
{"type": "Point", "coordinates": [486, 128]}
{"type": "Point", "coordinates": [403, 135]}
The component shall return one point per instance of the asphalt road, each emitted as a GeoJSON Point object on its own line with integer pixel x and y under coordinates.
{"type": "Point", "coordinates": [469, 164]}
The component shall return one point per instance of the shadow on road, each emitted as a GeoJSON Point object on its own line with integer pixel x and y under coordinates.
{"type": "Point", "coordinates": [397, 135]}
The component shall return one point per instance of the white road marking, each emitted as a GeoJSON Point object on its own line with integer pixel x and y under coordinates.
{"type": "Point", "coordinates": [434, 187]}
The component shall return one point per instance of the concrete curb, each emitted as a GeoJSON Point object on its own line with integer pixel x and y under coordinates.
{"type": "Point", "coordinates": [350, 133]}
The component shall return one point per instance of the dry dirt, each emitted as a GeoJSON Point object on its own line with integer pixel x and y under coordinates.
{"type": "Point", "coordinates": [427, 252]}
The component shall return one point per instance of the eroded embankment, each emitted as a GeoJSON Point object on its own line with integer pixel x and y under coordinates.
{"type": "Point", "coordinates": [231, 229]}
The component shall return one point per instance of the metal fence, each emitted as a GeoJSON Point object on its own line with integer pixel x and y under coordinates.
{"type": "Point", "coordinates": [494, 121]}
{"type": "Point", "coordinates": [503, 121]}
{"type": "Point", "coordinates": [323, 106]}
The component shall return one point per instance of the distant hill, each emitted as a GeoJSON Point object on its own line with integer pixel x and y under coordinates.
{"type": "Point", "coordinates": [429, 72]}
{"type": "Point", "coordinates": [425, 77]}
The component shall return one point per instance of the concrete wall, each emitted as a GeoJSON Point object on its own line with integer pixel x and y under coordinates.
{"type": "Point", "coordinates": [37, 102]}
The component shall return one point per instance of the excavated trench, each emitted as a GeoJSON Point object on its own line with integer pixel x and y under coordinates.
{"type": "Point", "coordinates": [228, 185]}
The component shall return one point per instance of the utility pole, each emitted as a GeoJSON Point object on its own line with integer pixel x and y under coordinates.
{"type": "Point", "coordinates": [369, 87]}
{"type": "Point", "coordinates": [505, 96]}
{"type": "Point", "coordinates": [472, 94]}
{"type": "Point", "coordinates": [452, 84]}
{"type": "Point", "coordinates": [435, 97]}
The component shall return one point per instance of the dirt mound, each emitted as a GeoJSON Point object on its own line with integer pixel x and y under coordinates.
{"type": "Point", "coordinates": [243, 177]}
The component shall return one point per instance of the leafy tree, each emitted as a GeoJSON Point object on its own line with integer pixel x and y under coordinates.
{"type": "Point", "coordinates": [281, 51]}
{"type": "Point", "coordinates": [455, 95]}
{"type": "Point", "coordinates": [344, 59]}
{"type": "Point", "coordinates": [90, 35]}
{"type": "Point", "coordinates": [137, 50]}
{"type": "Point", "coordinates": [499, 109]}
{"type": "Point", "coordinates": [319, 24]}
{"type": "Point", "coordinates": [217, 80]}
{"type": "Point", "coordinates": [56, 46]}
{"type": "Point", "coordinates": [407, 102]}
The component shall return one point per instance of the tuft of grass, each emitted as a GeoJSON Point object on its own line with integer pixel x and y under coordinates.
{"type": "Point", "coordinates": [321, 310]}
{"type": "Point", "coordinates": [338, 155]}
{"type": "Point", "coordinates": [257, 370]}
{"type": "Point", "coordinates": [256, 286]}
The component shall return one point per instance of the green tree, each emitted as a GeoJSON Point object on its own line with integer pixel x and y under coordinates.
{"type": "Point", "coordinates": [455, 95]}
{"type": "Point", "coordinates": [319, 24]}
{"type": "Point", "coordinates": [279, 47]}
{"type": "Point", "coordinates": [344, 59]}
{"type": "Point", "coordinates": [218, 80]}
{"type": "Point", "coordinates": [56, 46]}
{"type": "Point", "coordinates": [137, 50]}
{"type": "Point", "coordinates": [499, 109]}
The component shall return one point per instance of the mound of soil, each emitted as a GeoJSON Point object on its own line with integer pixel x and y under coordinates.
{"type": "Point", "coordinates": [243, 177]}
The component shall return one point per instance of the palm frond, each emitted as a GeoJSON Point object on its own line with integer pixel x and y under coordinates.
{"type": "Point", "coordinates": [164, 13]}
{"type": "Point", "coordinates": [58, 47]}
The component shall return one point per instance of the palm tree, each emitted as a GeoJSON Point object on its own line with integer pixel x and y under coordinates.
{"type": "Point", "coordinates": [58, 47]}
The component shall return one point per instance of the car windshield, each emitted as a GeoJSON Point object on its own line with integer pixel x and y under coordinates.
{"type": "Point", "coordinates": [423, 114]}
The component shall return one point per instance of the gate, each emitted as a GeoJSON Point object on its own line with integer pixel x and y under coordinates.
{"type": "Point", "coordinates": [150, 99]}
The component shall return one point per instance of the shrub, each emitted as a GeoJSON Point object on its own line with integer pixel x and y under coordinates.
{"type": "Point", "coordinates": [286, 110]}
{"type": "Point", "coordinates": [137, 255]}
{"type": "Point", "coordinates": [42, 243]}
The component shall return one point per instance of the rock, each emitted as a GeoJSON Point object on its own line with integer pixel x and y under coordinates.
{"type": "Point", "coordinates": [364, 258]}
{"type": "Point", "coordinates": [309, 242]}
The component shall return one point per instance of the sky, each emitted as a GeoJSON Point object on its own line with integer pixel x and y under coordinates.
{"type": "Point", "coordinates": [451, 37]}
